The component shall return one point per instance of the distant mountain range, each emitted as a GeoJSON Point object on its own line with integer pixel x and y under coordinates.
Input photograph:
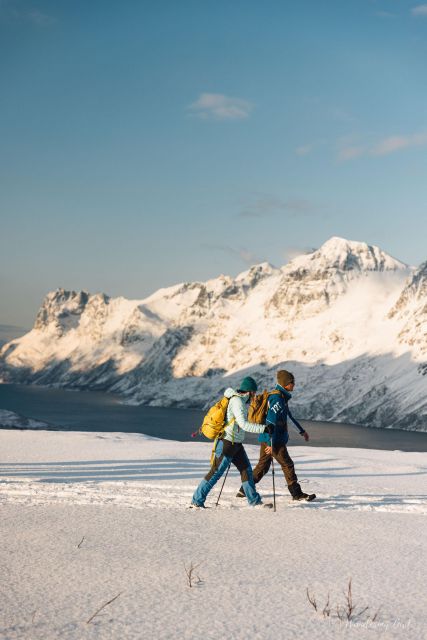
{"type": "Point", "coordinates": [349, 320]}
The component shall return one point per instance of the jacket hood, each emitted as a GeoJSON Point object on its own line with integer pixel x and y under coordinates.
{"type": "Point", "coordinates": [232, 392]}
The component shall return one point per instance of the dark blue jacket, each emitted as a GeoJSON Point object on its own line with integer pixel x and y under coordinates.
{"type": "Point", "coordinates": [277, 415]}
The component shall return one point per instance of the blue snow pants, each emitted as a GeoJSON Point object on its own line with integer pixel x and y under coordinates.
{"type": "Point", "coordinates": [225, 453]}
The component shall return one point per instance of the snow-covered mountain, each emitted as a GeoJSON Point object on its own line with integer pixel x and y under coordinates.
{"type": "Point", "coordinates": [348, 319]}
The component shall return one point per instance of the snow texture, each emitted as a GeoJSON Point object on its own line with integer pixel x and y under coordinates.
{"type": "Point", "coordinates": [346, 318]}
{"type": "Point", "coordinates": [88, 516]}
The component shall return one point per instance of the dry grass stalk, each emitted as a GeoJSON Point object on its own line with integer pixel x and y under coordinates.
{"type": "Point", "coordinates": [103, 607]}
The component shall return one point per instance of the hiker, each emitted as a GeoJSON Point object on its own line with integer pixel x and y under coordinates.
{"type": "Point", "coordinates": [229, 447]}
{"type": "Point", "coordinates": [276, 419]}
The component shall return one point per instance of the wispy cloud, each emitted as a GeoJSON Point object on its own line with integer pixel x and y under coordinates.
{"type": "Point", "coordinates": [348, 153]}
{"type": "Point", "coordinates": [395, 143]}
{"type": "Point", "coordinates": [217, 106]}
{"type": "Point", "coordinates": [304, 150]}
{"type": "Point", "coordinates": [385, 14]}
{"type": "Point", "coordinates": [342, 115]}
{"type": "Point", "coordinates": [383, 147]}
{"type": "Point", "coordinates": [262, 205]}
{"type": "Point", "coordinates": [39, 18]}
{"type": "Point", "coordinates": [419, 10]}
{"type": "Point", "coordinates": [11, 11]}
{"type": "Point", "coordinates": [292, 252]}
{"type": "Point", "coordinates": [245, 255]}
{"type": "Point", "coordinates": [309, 147]}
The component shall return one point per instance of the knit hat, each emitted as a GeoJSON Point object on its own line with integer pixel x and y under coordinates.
{"type": "Point", "coordinates": [248, 384]}
{"type": "Point", "coordinates": [285, 377]}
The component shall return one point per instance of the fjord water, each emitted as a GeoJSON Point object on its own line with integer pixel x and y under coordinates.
{"type": "Point", "coordinates": [97, 411]}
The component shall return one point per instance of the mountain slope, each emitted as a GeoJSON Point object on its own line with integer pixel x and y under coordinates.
{"type": "Point", "coordinates": [348, 319]}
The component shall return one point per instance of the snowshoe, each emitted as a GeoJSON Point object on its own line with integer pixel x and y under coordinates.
{"type": "Point", "coordinates": [308, 497]}
{"type": "Point", "coordinates": [265, 505]}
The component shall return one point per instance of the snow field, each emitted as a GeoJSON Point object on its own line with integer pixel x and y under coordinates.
{"type": "Point", "coordinates": [122, 498]}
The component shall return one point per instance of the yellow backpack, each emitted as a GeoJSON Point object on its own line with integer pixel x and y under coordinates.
{"type": "Point", "coordinates": [214, 422]}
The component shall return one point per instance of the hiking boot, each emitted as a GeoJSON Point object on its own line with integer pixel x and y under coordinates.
{"type": "Point", "coordinates": [240, 493]}
{"type": "Point", "coordinates": [265, 505]}
{"type": "Point", "coordinates": [194, 505]}
{"type": "Point", "coordinates": [304, 496]}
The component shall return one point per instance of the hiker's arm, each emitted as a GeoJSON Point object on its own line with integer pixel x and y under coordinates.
{"type": "Point", "coordinates": [298, 427]}
{"type": "Point", "coordinates": [241, 420]}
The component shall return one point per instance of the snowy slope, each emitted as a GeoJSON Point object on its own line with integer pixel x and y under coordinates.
{"type": "Point", "coordinates": [350, 320]}
{"type": "Point", "coordinates": [89, 516]}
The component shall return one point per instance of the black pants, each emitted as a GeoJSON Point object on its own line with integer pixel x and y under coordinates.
{"type": "Point", "coordinates": [234, 452]}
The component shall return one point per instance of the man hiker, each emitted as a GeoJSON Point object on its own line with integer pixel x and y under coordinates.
{"type": "Point", "coordinates": [229, 447]}
{"type": "Point", "coordinates": [277, 415]}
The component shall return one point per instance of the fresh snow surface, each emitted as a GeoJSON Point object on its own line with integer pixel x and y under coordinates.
{"type": "Point", "coordinates": [88, 516]}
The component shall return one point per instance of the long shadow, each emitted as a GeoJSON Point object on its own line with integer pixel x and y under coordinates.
{"type": "Point", "coordinates": [165, 461]}
{"type": "Point", "coordinates": [108, 470]}
{"type": "Point", "coordinates": [158, 469]}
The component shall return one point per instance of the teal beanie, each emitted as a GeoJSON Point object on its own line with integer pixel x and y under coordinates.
{"type": "Point", "coordinates": [248, 384]}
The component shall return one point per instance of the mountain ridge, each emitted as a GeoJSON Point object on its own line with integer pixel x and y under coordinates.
{"type": "Point", "coordinates": [347, 308]}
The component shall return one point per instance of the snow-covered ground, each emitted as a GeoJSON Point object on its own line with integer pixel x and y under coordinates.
{"type": "Point", "coordinates": [86, 517]}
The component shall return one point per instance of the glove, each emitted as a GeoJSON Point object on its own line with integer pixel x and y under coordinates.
{"type": "Point", "coordinates": [269, 429]}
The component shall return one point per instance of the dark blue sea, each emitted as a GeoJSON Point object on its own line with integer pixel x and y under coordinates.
{"type": "Point", "coordinates": [96, 411]}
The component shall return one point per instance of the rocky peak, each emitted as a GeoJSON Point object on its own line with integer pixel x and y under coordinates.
{"type": "Point", "coordinates": [61, 310]}
{"type": "Point", "coordinates": [341, 255]}
{"type": "Point", "coordinates": [415, 289]}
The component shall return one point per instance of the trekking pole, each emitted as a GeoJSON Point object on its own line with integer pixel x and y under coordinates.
{"type": "Point", "coordinates": [225, 478]}
{"type": "Point", "coordinates": [272, 473]}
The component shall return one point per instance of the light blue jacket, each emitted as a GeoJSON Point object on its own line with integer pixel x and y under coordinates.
{"type": "Point", "coordinates": [237, 417]}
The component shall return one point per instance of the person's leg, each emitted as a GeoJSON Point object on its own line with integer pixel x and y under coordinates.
{"type": "Point", "coordinates": [220, 464]}
{"type": "Point", "coordinates": [241, 461]}
{"type": "Point", "coordinates": [261, 469]}
{"type": "Point", "coordinates": [282, 456]}
{"type": "Point", "coordinates": [263, 464]}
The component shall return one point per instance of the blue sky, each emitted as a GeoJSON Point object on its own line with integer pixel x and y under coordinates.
{"type": "Point", "coordinates": [145, 143]}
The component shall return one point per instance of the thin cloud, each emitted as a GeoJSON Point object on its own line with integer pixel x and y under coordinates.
{"type": "Point", "coordinates": [384, 147]}
{"type": "Point", "coordinates": [246, 256]}
{"type": "Point", "coordinates": [12, 12]}
{"type": "Point", "coordinates": [264, 205]}
{"type": "Point", "coordinates": [39, 18]}
{"type": "Point", "coordinates": [348, 153]}
{"type": "Point", "coordinates": [385, 14]}
{"type": "Point", "coordinates": [292, 252]}
{"type": "Point", "coordinates": [304, 150]}
{"type": "Point", "coordinates": [217, 106]}
{"type": "Point", "coordinates": [309, 147]}
{"type": "Point", "coordinates": [342, 115]}
{"type": "Point", "coordinates": [419, 10]}
{"type": "Point", "coordinates": [395, 143]}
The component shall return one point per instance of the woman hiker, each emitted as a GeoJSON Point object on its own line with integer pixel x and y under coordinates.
{"type": "Point", "coordinates": [230, 448]}
{"type": "Point", "coordinates": [277, 414]}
